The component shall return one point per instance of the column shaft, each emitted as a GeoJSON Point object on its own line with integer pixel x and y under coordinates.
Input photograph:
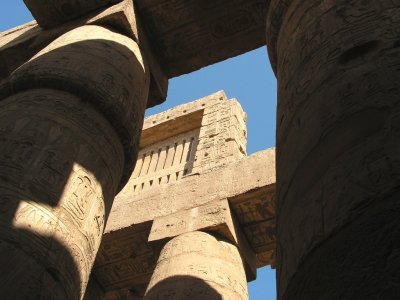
{"type": "Point", "coordinates": [338, 149]}
{"type": "Point", "coordinates": [198, 265]}
{"type": "Point", "coordinates": [68, 142]}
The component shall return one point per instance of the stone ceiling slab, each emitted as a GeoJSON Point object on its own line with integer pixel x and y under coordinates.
{"type": "Point", "coordinates": [191, 34]}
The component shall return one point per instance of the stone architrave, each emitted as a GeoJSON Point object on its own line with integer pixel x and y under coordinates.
{"type": "Point", "coordinates": [192, 175]}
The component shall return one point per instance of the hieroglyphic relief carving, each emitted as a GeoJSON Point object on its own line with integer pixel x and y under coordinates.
{"type": "Point", "coordinates": [197, 201]}
{"type": "Point", "coordinates": [62, 156]}
{"type": "Point", "coordinates": [47, 201]}
{"type": "Point", "coordinates": [129, 262]}
{"type": "Point", "coordinates": [209, 30]}
{"type": "Point", "coordinates": [331, 155]}
{"type": "Point", "coordinates": [198, 256]}
{"type": "Point", "coordinates": [72, 63]}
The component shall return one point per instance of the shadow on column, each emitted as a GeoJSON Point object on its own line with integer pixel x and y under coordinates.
{"type": "Point", "coordinates": [61, 163]}
{"type": "Point", "coordinates": [182, 288]}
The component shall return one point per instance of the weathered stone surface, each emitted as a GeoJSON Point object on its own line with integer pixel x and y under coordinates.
{"type": "Point", "coordinates": [198, 265]}
{"type": "Point", "coordinates": [189, 139]}
{"type": "Point", "coordinates": [151, 209]}
{"type": "Point", "coordinates": [17, 47]}
{"type": "Point", "coordinates": [70, 129]}
{"type": "Point", "coordinates": [191, 34]}
{"type": "Point", "coordinates": [126, 260]}
{"type": "Point", "coordinates": [20, 44]}
{"type": "Point", "coordinates": [57, 184]}
{"type": "Point", "coordinates": [185, 35]}
{"type": "Point", "coordinates": [93, 290]}
{"type": "Point", "coordinates": [213, 186]}
{"type": "Point", "coordinates": [338, 147]}
{"type": "Point", "coordinates": [214, 217]}
{"type": "Point", "coordinates": [75, 63]}
{"type": "Point", "coordinates": [255, 211]}
{"type": "Point", "coordinates": [51, 13]}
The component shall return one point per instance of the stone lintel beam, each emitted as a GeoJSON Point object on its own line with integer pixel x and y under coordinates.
{"type": "Point", "coordinates": [189, 34]}
{"type": "Point", "coordinates": [126, 259]}
{"type": "Point", "coordinates": [20, 44]}
{"type": "Point", "coordinates": [223, 183]}
{"type": "Point", "coordinates": [213, 217]}
{"type": "Point", "coordinates": [196, 33]}
{"type": "Point", "coordinates": [49, 13]}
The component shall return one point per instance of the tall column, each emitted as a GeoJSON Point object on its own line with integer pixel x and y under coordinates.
{"type": "Point", "coordinates": [198, 265]}
{"type": "Point", "coordinates": [338, 147]}
{"type": "Point", "coordinates": [68, 142]}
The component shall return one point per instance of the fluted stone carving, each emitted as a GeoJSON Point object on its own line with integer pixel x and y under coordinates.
{"type": "Point", "coordinates": [338, 152]}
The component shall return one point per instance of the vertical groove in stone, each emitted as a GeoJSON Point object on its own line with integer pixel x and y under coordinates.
{"type": "Point", "coordinates": [338, 158]}
{"type": "Point", "coordinates": [198, 265]}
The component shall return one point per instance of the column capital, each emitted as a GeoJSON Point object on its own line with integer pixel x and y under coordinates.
{"type": "Point", "coordinates": [19, 45]}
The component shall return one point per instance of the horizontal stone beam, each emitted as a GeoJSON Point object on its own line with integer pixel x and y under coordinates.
{"type": "Point", "coordinates": [214, 217]}
{"type": "Point", "coordinates": [127, 259]}
{"type": "Point", "coordinates": [186, 34]}
{"type": "Point", "coordinates": [191, 34]}
{"type": "Point", "coordinates": [254, 172]}
{"type": "Point", "coordinates": [20, 44]}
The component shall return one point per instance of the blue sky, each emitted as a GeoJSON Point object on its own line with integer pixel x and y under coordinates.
{"type": "Point", "coordinates": [248, 78]}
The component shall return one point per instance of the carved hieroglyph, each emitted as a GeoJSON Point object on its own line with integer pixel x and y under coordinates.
{"type": "Point", "coordinates": [182, 35]}
{"type": "Point", "coordinates": [338, 158]}
{"type": "Point", "coordinates": [57, 183]}
{"type": "Point", "coordinates": [69, 140]}
{"type": "Point", "coordinates": [198, 265]}
{"type": "Point", "coordinates": [192, 174]}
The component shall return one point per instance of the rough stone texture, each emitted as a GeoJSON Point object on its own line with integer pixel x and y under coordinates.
{"type": "Point", "coordinates": [69, 135]}
{"type": "Point", "coordinates": [191, 34]}
{"type": "Point", "coordinates": [151, 209]}
{"type": "Point", "coordinates": [198, 265]}
{"type": "Point", "coordinates": [255, 211]}
{"type": "Point", "coordinates": [185, 35]}
{"type": "Point", "coordinates": [177, 37]}
{"type": "Point", "coordinates": [75, 63]}
{"type": "Point", "coordinates": [57, 183]}
{"type": "Point", "coordinates": [20, 44]}
{"type": "Point", "coordinates": [50, 13]}
{"type": "Point", "coordinates": [214, 217]}
{"type": "Point", "coordinates": [337, 148]}
{"type": "Point", "coordinates": [189, 139]}
{"type": "Point", "coordinates": [94, 291]}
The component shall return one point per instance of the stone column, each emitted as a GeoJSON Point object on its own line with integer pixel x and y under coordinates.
{"type": "Point", "coordinates": [338, 147]}
{"type": "Point", "coordinates": [68, 142]}
{"type": "Point", "coordinates": [198, 265]}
